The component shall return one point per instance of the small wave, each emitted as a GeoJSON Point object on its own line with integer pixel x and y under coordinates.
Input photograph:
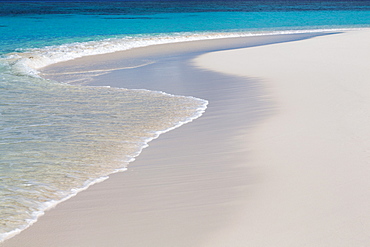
{"type": "Point", "coordinates": [45, 206]}
{"type": "Point", "coordinates": [193, 108]}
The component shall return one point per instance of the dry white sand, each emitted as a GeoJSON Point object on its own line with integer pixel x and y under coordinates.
{"type": "Point", "coordinates": [280, 158]}
{"type": "Point", "coordinates": [314, 152]}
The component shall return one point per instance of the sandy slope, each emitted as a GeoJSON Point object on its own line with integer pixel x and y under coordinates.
{"type": "Point", "coordinates": [314, 152]}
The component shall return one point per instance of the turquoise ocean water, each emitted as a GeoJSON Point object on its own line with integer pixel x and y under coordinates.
{"type": "Point", "coordinates": [57, 139]}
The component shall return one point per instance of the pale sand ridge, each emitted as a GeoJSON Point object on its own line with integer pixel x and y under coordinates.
{"type": "Point", "coordinates": [314, 152]}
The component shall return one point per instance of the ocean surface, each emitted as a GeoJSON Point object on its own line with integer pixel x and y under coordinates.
{"type": "Point", "coordinates": [57, 139]}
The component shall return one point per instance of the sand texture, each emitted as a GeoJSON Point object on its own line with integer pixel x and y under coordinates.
{"type": "Point", "coordinates": [313, 153]}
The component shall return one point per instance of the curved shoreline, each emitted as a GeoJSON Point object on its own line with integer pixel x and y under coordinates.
{"type": "Point", "coordinates": [182, 49]}
{"type": "Point", "coordinates": [162, 148]}
{"type": "Point", "coordinates": [30, 61]}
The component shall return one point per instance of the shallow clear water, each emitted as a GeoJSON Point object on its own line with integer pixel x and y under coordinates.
{"type": "Point", "coordinates": [56, 139]}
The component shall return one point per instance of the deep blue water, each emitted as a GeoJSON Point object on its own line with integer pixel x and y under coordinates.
{"type": "Point", "coordinates": [56, 139]}
{"type": "Point", "coordinates": [36, 24]}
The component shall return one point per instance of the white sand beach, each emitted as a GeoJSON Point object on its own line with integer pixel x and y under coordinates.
{"type": "Point", "coordinates": [281, 157]}
{"type": "Point", "coordinates": [313, 153]}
